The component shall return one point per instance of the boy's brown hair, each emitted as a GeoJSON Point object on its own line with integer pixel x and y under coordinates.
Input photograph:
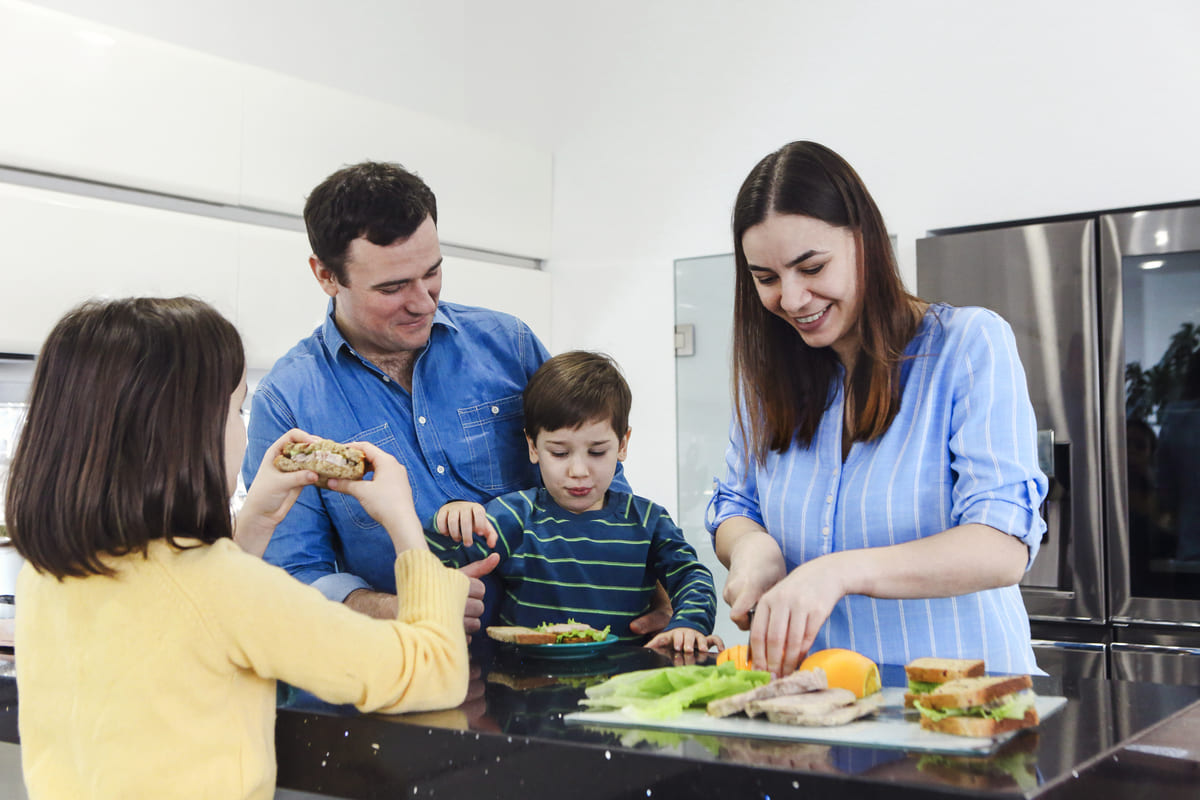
{"type": "Point", "coordinates": [574, 388]}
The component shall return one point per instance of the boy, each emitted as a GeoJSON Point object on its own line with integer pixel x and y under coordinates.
{"type": "Point", "coordinates": [573, 549]}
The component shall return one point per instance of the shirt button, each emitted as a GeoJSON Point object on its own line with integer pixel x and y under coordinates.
{"type": "Point", "coordinates": [829, 498]}
{"type": "Point", "coordinates": [825, 531]}
{"type": "Point", "coordinates": [421, 420]}
{"type": "Point", "coordinates": [441, 470]}
{"type": "Point", "coordinates": [386, 379]}
{"type": "Point", "coordinates": [495, 409]}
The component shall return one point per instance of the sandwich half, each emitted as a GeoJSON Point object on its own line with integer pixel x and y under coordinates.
{"type": "Point", "coordinates": [515, 634]}
{"type": "Point", "coordinates": [926, 674]}
{"type": "Point", "coordinates": [572, 632]}
{"type": "Point", "coordinates": [979, 707]}
{"type": "Point", "coordinates": [327, 458]}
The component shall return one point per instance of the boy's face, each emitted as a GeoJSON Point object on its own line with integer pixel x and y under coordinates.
{"type": "Point", "coordinates": [578, 464]}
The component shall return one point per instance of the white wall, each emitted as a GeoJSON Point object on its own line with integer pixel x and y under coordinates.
{"type": "Point", "coordinates": [953, 113]}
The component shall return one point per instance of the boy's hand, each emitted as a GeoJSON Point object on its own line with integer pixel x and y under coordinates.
{"type": "Point", "coordinates": [685, 640]}
{"type": "Point", "coordinates": [270, 496]}
{"type": "Point", "coordinates": [387, 497]}
{"type": "Point", "coordinates": [461, 519]}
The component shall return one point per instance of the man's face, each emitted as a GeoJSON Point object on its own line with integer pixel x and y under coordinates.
{"type": "Point", "coordinates": [386, 305]}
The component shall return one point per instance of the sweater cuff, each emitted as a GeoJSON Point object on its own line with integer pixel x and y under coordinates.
{"type": "Point", "coordinates": [428, 591]}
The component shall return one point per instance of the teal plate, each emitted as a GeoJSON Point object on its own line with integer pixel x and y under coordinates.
{"type": "Point", "coordinates": [562, 651]}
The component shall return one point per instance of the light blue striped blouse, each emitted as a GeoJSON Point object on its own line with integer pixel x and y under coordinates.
{"type": "Point", "coordinates": [961, 449]}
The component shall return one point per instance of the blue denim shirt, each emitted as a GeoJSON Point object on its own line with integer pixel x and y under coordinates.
{"type": "Point", "coordinates": [459, 434]}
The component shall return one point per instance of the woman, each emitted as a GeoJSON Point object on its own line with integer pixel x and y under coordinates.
{"type": "Point", "coordinates": [882, 488]}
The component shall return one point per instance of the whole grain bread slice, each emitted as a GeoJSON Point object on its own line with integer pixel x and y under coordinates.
{"type": "Point", "coordinates": [980, 727]}
{"type": "Point", "coordinates": [515, 634]}
{"type": "Point", "coordinates": [940, 670]}
{"type": "Point", "coordinates": [967, 692]}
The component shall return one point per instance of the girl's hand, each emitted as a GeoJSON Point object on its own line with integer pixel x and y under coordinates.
{"type": "Point", "coordinates": [461, 519]}
{"type": "Point", "coordinates": [788, 616]}
{"type": "Point", "coordinates": [271, 496]}
{"type": "Point", "coordinates": [755, 565]}
{"type": "Point", "coordinates": [387, 497]}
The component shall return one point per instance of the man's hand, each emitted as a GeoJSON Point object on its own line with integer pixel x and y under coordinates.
{"type": "Point", "coordinates": [461, 520]}
{"type": "Point", "coordinates": [474, 610]}
{"type": "Point", "coordinates": [658, 617]}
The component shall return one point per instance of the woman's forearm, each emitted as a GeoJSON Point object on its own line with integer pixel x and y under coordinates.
{"type": "Point", "coordinates": [961, 560]}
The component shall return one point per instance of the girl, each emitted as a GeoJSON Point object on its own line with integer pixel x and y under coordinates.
{"type": "Point", "coordinates": [882, 487]}
{"type": "Point", "coordinates": [150, 643]}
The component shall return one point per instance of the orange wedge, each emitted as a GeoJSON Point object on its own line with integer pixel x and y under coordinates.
{"type": "Point", "coordinates": [846, 669]}
{"type": "Point", "coordinates": [739, 654]}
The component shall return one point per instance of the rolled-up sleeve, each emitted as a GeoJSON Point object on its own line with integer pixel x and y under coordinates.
{"type": "Point", "coordinates": [993, 441]}
{"type": "Point", "coordinates": [735, 495]}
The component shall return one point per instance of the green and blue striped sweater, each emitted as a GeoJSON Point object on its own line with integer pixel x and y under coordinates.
{"type": "Point", "coordinates": [598, 567]}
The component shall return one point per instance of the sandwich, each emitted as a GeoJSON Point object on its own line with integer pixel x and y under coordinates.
{"type": "Point", "coordinates": [824, 707]}
{"type": "Point", "coordinates": [979, 707]}
{"type": "Point", "coordinates": [327, 458]}
{"type": "Point", "coordinates": [570, 632]}
{"type": "Point", "coordinates": [926, 674]}
{"type": "Point", "coordinates": [516, 634]}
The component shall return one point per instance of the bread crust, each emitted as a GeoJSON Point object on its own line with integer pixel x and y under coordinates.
{"type": "Point", "coordinates": [515, 634]}
{"type": "Point", "coordinates": [966, 692]}
{"type": "Point", "coordinates": [325, 470]}
{"type": "Point", "coordinates": [980, 727]}
{"type": "Point", "coordinates": [940, 670]}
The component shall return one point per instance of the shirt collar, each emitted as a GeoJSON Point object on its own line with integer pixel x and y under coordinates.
{"type": "Point", "coordinates": [334, 339]}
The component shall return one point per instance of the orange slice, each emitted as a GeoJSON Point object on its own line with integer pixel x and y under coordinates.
{"type": "Point", "coordinates": [739, 654]}
{"type": "Point", "coordinates": [846, 669]}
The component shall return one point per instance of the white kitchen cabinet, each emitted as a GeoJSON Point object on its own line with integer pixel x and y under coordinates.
{"type": "Point", "coordinates": [88, 101]}
{"type": "Point", "coordinates": [492, 194]}
{"type": "Point", "coordinates": [60, 249]}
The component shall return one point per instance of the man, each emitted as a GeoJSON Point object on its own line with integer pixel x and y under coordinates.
{"type": "Point", "coordinates": [438, 385]}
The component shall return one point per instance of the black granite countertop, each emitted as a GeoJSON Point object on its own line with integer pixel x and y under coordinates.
{"type": "Point", "coordinates": [510, 740]}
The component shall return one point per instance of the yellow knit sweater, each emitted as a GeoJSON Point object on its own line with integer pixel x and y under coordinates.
{"type": "Point", "coordinates": [160, 682]}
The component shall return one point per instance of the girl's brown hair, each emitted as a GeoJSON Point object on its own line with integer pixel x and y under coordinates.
{"type": "Point", "coordinates": [783, 384]}
{"type": "Point", "coordinates": [124, 440]}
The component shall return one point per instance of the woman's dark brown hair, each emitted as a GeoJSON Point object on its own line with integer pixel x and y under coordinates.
{"type": "Point", "coordinates": [124, 439]}
{"type": "Point", "coordinates": [785, 385]}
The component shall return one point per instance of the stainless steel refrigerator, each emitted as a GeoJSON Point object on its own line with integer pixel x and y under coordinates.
{"type": "Point", "coordinates": [1105, 307]}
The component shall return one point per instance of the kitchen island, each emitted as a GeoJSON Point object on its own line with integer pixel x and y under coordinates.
{"type": "Point", "coordinates": [1112, 740]}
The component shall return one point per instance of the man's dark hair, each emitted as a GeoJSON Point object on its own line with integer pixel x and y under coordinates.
{"type": "Point", "coordinates": [574, 388]}
{"type": "Point", "coordinates": [380, 201]}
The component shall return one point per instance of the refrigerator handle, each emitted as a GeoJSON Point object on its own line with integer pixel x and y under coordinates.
{"type": "Point", "coordinates": [1052, 568]}
{"type": "Point", "coordinates": [1054, 459]}
{"type": "Point", "coordinates": [1124, 647]}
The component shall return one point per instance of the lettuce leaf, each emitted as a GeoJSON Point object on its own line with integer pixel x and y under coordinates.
{"type": "Point", "coordinates": [1013, 706]}
{"type": "Point", "coordinates": [663, 693]}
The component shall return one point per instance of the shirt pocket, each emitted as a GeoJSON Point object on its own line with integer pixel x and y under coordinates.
{"type": "Point", "coordinates": [346, 507]}
{"type": "Point", "coordinates": [495, 438]}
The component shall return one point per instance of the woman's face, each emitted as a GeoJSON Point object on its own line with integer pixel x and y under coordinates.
{"type": "Point", "coordinates": [806, 273]}
{"type": "Point", "coordinates": [235, 436]}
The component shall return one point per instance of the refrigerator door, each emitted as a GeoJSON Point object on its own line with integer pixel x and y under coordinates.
{"type": "Point", "coordinates": [1041, 279]}
{"type": "Point", "coordinates": [1156, 655]}
{"type": "Point", "coordinates": [1150, 299]}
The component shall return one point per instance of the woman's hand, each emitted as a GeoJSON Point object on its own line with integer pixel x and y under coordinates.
{"type": "Point", "coordinates": [387, 497]}
{"type": "Point", "coordinates": [270, 496]}
{"type": "Point", "coordinates": [789, 615]}
{"type": "Point", "coordinates": [461, 520]}
{"type": "Point", "coordinates": [755, 565]}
